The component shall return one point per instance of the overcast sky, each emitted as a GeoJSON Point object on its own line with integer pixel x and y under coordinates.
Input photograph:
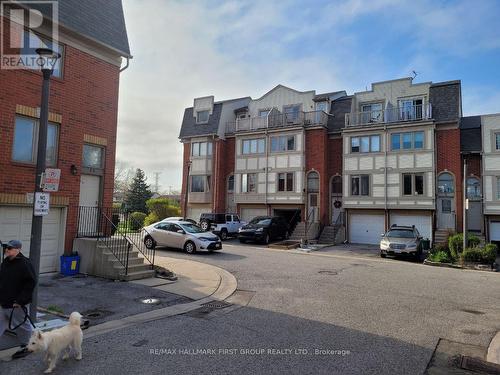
{"type": "Point", "coordinates": [188, 49]}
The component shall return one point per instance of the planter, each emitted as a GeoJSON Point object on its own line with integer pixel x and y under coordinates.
{"type": "Point", "coordinates": [466, 265]}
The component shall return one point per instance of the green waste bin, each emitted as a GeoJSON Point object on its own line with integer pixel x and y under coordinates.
{"type": "Point", "coordinates": [426, 244]}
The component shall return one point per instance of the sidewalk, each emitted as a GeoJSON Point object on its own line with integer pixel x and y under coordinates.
{"type": "Point", "coordinates": [111, 305]}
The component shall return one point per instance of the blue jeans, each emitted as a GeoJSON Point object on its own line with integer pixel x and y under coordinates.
{"type": "Point", "coordinates": [23, 332]}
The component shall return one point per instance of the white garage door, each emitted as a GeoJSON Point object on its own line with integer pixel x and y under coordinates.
{"type": "Point", "coordinates": [248, 214]}
{"type": "Point", "coordinates": [423, 223]}
{"type": "Point", "coordinates": [195, 212]}
{"type": "Point", "coordinates": [494, 231]}
{"type": "Point", "coordinates": [366, 228]}
{"type": "Point", "coordinates": [15, 223]}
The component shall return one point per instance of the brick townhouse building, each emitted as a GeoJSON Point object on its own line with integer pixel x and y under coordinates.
{"type": "Point", "coordinates": [82, 123]}
{"type": "Point", "coordinates": [351, 164]}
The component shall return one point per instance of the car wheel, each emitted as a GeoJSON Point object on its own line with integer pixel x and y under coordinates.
{"type": "Point", "coordinates": [242, 240]}
{"type": "Point", "coordinates": [190, 247]}
{"type": "Point", "coordinates": [149, 242]}
{"type": "Point", "coordinates": [223, 234]}
{"type": "Point", "coordinates": [205, 225]}
{"type": "Point", "coordinates": [267, 239]}
{"type": "Point", "coordinates": [382, 255]}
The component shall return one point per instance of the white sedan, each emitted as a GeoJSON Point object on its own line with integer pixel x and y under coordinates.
{"type": "Point", "coordinates": [180, 235]}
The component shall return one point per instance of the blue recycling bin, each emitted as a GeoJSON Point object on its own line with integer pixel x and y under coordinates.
{"type": "Point", "coordinates": [70, 265]}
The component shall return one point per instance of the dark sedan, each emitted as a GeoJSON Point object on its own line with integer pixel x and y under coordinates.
{"type": "Point", "coordinates": [264, 229]}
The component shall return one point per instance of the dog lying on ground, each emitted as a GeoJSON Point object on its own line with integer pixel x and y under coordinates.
{"type": "Point", "coordinates": [56, 341]}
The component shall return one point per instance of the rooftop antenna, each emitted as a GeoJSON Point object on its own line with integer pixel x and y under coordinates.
{"type": "Point", "coordinates": [415, 74]}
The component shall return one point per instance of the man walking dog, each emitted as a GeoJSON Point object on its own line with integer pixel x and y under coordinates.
{"type": "Point", "coordinates": [17, 282]}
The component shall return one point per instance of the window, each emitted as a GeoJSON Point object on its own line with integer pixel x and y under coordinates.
{"type": "Point", "coordinates": [360, 185]}
{"type": "Point", "coordinates": [446, 184]}
{"type": "Point", "coordinates": [497, 141]}
{"type": "Point", "coordinates": [410, 109]}
{"type": "Point", "coordinates": [498, 188]}
{"type": "Point", "coordinates": [201, 149]}
{"type": "Point", "coordinates": [291, 113]}
{"type": "Point", "coordinates": [253, 146]}
{"type": "Point", "coordinates": [93, 157]}
{"type": "Point", "coordinates": [473, 188]}
{"type": "Point", "coordinates": [312, 182]}
{"type": "Point", "coordinates": [230, 184]}
{"type": "Point", "coordinates": [34, 41]}
{"type": "Point", "coordinates": [413, 184]}
{"type": "Point", "coordinates": [371, 112]}
{"type": "Point", "coordinates": [285, 181]}
{"type": "Point", "coordinates": [24, 148]}
{"type": "Point", "coordinates": [202, 116]}
{"type": "Point", "coordinates": [407, 141]}
{"type": "Point", "coordinates": [337, 185]}
{"type": "Point", "coordinates": [248, 182]}
{"type": "Point", "coordinates": [264, 112]}
{"type": "Point", "coordinates": [365, 144]}
{"type": "Point", "coordinates": [283, 143]}
{"type": "Point", "coordinates": [198, 184]}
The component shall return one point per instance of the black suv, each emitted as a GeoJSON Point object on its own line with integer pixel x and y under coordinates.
{"type": "Point", "coordinates": [207, 219]}
{"type": "Point", "coordinates": [264, 229]}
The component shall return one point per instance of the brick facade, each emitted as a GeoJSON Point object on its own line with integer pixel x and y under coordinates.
{"type": "Point", "coordinates": [86, 99]}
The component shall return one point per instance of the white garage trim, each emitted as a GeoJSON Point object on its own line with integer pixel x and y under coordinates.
{"type": "Point", "coordinates": [15, 223]}
{"type": "Point", "coordinates": [194, 212]}
{"type": "Point", "coordinates": [248, 213]}
{"type": "Point", "coordinates": [366, 228]}
{"type": "Point", "coordinates": [494, 231]}
{"type": "Point", "coordinates": [422, 221]}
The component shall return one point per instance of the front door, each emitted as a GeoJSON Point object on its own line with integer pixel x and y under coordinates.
{"type": "Point", "coordinates": [313, 212]}
{"type": "Point", "coordinates": [446, 213]}
{"type": "Point", "coordinates": [336, 200]}
{"type": "Point", "coordinates": [90, 187]}
{"type": "Point", "coordinates": [474, 219]}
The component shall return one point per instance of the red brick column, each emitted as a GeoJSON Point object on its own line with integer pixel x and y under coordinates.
{"type": "Point", "coordinates": [316, 158]}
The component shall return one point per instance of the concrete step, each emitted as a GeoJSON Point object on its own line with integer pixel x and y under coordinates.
{"type": "Point", "coordinates": [134, 267]}
{"type": "Point", "coordinates": [131, 261]}
{"type": "Point", "coordinates": [138, 275]}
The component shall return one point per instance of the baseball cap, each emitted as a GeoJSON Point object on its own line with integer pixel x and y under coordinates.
{"type": "Point", "coordinates": [15, 244]}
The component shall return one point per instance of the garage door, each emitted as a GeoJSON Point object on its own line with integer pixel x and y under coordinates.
{"type": "Point", "coordinates": [15, 223]}
{"type": "Point", "coordinates": [423, 223]}
{"type": "Point", "coordinates": [248, 214]}
{"type": "Point", "coordinates": [494, 231]}
{"type": "Point", "coordinates": [195, 212]}
{"type": "Point", "coordinates": [366, 228]}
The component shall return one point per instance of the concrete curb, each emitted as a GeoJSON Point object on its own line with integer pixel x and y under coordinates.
{"type": "Point", "coordinates": [225, 289]}
{"type": "Point", "coordinates": [494, 350]}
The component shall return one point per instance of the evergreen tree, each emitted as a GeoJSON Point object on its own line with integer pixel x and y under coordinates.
{"type": "Point", "coordinates": [138, 193]}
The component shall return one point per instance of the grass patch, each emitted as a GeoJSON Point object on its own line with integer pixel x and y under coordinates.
{"type": "Point", "coordinates": [55, 308]}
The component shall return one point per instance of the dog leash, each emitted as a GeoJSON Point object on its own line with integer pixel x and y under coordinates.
{"type": "Point", "coordinates": [26, 317]}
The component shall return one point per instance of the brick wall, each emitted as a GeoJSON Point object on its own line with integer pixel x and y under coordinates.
{"type": "Point", "coordinates": [185, 164]}
{"type": "Point", "coordinates": [474, 165]}
{"type": "Point", "coordinates": [316, 158]}
{"type": "Point", "coordinates": [224, 165]}
{"type": "Point", "coordinates": [87, 99]}
{"type": "Point", "coordinates": [449, 158]}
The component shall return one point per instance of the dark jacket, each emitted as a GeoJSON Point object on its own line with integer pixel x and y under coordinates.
{"type": "Point", "coordinates": [17, 281]}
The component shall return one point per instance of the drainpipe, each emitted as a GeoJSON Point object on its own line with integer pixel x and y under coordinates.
{"type": "Point", "coordinates": [385, 175]}
{"type": "Point", "coordinates": [267, 162]}
{"type": "Point", "coordinates": [215, 174]}
{"type": "Point", "coordinates": [464, 204]}
{"type": "Point", "coordinates": [126, 65]}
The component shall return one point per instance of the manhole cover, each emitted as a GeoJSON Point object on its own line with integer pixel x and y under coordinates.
{"type": "Point", "coordinates": [150, 301]}
{"type": "Point", "coordinates": [216, 304]}
{"type": "Point", "coordinates": [327, 272]}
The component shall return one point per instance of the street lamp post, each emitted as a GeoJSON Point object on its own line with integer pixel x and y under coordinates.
{"type": "Point", "coordinates": [47, 59]}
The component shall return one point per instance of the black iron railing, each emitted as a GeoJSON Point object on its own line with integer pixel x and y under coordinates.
{"type": "Point", "coordinates": [117, 229]}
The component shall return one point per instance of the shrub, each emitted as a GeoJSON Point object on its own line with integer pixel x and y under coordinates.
{"type": "Point", "coordinates": [440, 256]}
{"type": "Point", "coordinates": [136, 220]}
{"type": "Point", "coordinates": [440, 247]}
{"type": "Point", "coordinates": [489, 253]}
{"type": "Point", "coordinates": [162, 208]}
{"type": "Point", "coordinates": [151, 218]}
{"type": "Point", "coordinates": [486, 255]}
{"type": "Point", "coordinates": [472, 254]}
{"type": "Point", "coordinates": [456, 243]}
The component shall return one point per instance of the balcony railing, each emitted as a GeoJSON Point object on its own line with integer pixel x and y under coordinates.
{"type": "Point", "coordinates": [277, 120]}
{"type": "Point", "coordinates": [395, 114]}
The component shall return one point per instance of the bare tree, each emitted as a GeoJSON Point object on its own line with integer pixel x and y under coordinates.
{"type": "Point", "coordinates": [124, 174]}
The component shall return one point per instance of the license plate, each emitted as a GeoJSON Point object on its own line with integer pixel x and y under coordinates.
{"type": "Point", "coordinates": [217, 245]}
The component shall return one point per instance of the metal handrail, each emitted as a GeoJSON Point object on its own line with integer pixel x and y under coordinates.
{"type": "Point", "coordinates": [277, 120]}
{"type": "Point", "coordinates": [148, 254]}
{"type": "Point", "coordinates": [114, 243]}
{"type": "Point", "coordinates": [395, 114]}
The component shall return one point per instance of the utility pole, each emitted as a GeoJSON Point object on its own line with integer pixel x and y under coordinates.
{"type": "Point", "coordinates": [48, 59]}
{"type": "Point", "coordinates": [157, 185]}
{"type": "Point", "coordinates": [465, 204]}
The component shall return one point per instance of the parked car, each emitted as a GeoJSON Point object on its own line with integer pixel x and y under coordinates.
{"type": "Point", "coordinates": [264, 229]}
{"type": "Point", "coordinates": [228, 227]}
{"type": "Point", "coordinates": [401, 240]}
{"type": "Point", "coordinates": [179, 218]}
{"type": "Point", "coordinates": [180, 235]}
{"type": "Point", "coordinates": [207, 219]}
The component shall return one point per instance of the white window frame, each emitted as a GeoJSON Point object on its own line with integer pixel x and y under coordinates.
{"type": "Point", "coordinates": [286, 187]}
{"type": "Point", "coordinates": [198, 116]}
{"type": "Point", "coordinates": [360, 178]}
{"type": "Point", "coordinates": [283, 139]}
{"type": "Point", "coordinates": [370, 147]}
{"type": "Point", "coordinates": [413, 185]}
{"type": "Point", "coordinates": [245, 183]}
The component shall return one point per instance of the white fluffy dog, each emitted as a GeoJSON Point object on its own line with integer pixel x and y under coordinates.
{"type": "Point", "coordinates": [54, 342]}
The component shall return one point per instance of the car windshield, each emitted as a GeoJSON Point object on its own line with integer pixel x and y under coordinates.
{"type": "Point", "coordinates": [261, 221]}
{"type": "Point", "coordinates": [191, 228]}
{"type": "Point", "coordinates": [401, 233]}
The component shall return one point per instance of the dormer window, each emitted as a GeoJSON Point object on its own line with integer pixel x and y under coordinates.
{"type": "Point", "coordinates": [411, 109]}
{"type": "Point", "coordinates": [202, 117]}
{"type": "Point", "coordinates": [371, 113]}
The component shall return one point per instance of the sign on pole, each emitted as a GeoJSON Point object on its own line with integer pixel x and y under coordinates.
{"type": "Point", "coordinates": [41, 204]}
{"type": "Point", "coordinates": [51, 179]}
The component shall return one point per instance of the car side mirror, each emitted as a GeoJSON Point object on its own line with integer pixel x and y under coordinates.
{"type": "Point", "coordinates": [181, 231]}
